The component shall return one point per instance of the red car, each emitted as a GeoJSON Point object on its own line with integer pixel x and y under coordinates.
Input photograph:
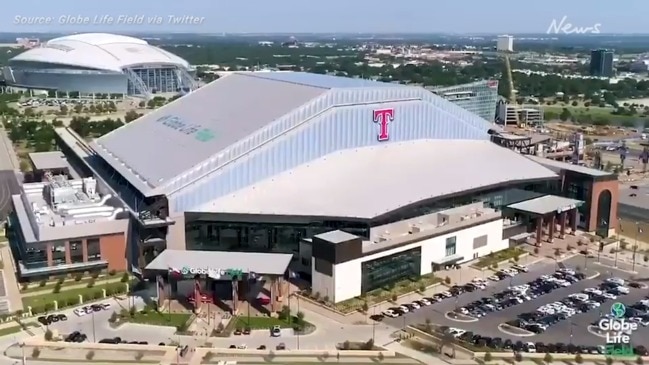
{"type": "Point", "coordinates": [263, 300]}
{"type": "Point", "coordinates": [204, 298]}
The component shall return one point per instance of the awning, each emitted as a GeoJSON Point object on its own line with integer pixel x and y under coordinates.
{"type": "Point", "coordinates": [546, 204]}
{"type": "Point", "coordinates": [449, 260]}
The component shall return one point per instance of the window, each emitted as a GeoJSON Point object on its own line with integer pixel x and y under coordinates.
{"type": "Point", "coordinates": [388, 270]}
{"type": "Point", "coordinates": [94, 252]}
{"type": "Point", "coordinates": [58, 253]}
{"type": "Point", "coordinates": [451, 248]}
{"type": "Point", "coordinates": [480, 241]}
{"type": "Point", "coordinates": [76, 252]}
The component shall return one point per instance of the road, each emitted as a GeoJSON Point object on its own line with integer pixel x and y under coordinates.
{"type": "Point", "coordinates": [560, 332]}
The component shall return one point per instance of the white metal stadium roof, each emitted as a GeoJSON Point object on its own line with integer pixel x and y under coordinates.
{"type": "Point", "coordinates": [99, 51]}
{"type": "Point", "coordinates": [371, 181]}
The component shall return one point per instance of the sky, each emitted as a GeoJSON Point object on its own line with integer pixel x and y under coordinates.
{"type": "Point", "coordinates": [330, 16]}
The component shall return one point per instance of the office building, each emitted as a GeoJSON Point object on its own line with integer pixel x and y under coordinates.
{"type": "Point", "coordinates": [505, 43]}
{"type": "Point", "coordinates": [601, 63]}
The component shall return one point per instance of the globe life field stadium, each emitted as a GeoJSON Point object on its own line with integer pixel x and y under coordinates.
{"type": "Point", "coordinates": [99, 63]}
{"type": "Point", "coordinates": [355, 184]}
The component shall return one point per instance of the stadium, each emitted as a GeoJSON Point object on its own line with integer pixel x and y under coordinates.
{"type": "Point", "coordinates": [353, 184]}
{"type": "Point", "coordinates": [98, 63]}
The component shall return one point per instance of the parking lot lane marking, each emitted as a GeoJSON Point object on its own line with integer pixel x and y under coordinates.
{"type": "Point", "coordinates": [592, 330]}
{"type": "Point", "coordinates": [468, 319]}
{"type": "Point", "coordinates": [503, 328]}
{"type": "Point", "coordinates": [594, 276]}
{"type": "Point", "coordinates": [616, 268]}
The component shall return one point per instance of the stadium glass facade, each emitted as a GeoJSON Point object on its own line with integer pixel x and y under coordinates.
{"type": "Point", "coordinates": [157, 79]}
{"type": "Point", "coordinates": [260, 236]}
{"type": "Point", "coordinates": [388, 270]}
{"type": "Point", "coordinates": [479, 97]}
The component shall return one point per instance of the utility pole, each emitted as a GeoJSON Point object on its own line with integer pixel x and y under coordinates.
{"type": "Point", "coordinates": [94, 334]}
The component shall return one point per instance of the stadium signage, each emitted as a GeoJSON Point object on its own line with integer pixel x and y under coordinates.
{"type": "Point", "coordinates": [188, 271]}
{"type": "Point", "coordinates": [383, 117]}
{"type": "Point", "coordinates": [199, 132]}
{"type": "Point", "coordinates": [618, 332]}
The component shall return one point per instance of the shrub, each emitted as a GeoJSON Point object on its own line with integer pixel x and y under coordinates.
{"type": "Point", "coordinates": [125, 278]}
{"type": "Point", "coordinates": [325, 299]}
{"type": "Point", "coordinates": [547, 358]}
{"type": "Point", "coordinates": [139, 356]}
{"type": "Point", "coordinates": [536, 250]}
{"type": "Point", "coordinates": [91, 283]}
{"type": "Point", "coordinates": [518, 357]}
{"type": "Point", "coordinates": [25, 286]}
{"type": "Point", "coordinates": [78, 277]}
{"type": "Point", "coordinates": [57, 288]}
{"type": "Point", "coordinates": [36, 352]}
{"type": "Point", "coordinates": [90, 355]}
{"type": "Point", "coordinates": [113, 318]}
{"type": "Point", "coordinates": [112, 273]}
{"type": "Point", "coordinates": [365, 307]}
{"type": "Point", "coordinates": [487, 356]}
{"type": "Point", "coordinates": [579, 359]}
{"type": "Point", "coordinates": [639, 360]}
{"type": "Point", "coordinates": [422, 288]}
{"type": "Point", "coordinates": [316, 295]}
{"type": "Point", "coordinates": [285, 313]}
{"type": "Point", "coordinates": [208, 356]}
{"type": "Point", "coordinates": [95, 274]}
{"type": "Point", "coordinates": [623, 244]}
{"type": "Point", "coordinates": [60, 280]}
{"type": "Point", "coordinates": [42, 283]}
{"type": "Point", "coordinates": [612, 250]}
{"type": "Point", "coordinates": [646, 258]}
{"type": "Point", "coordinates": [48, 335]}
{"type": "Point", "coordinates": [394, 297]}
{"type": "Point", "coordinates": [347, 345]}
{"type": "Point", "coordinates": [557, 252]}
{"type": "Point", "coordinates": [369, 345]}
{"type": "Point", "coordinates": [609, 361]}
{"type": "Point", "coordinates": [131, 311]}
{"type": "Point", "coordinates": [447, 280]}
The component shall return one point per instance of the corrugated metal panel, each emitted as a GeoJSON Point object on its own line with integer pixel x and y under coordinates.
{"type": "Point", "coordinates": [224, 112]}
{"type": "Point", "coordinates": [324, 81]}
{"type": "Point", "coordinates": [318, 188]}
{"type": "Point", "coordinates": [340, 128]}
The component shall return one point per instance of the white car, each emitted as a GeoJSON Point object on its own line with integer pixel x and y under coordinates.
{"type": "Point", "coordinates": [531, 348]}
{"type": "Point", "coordinates": [404, 308]}
{"type": "Point", "coordinates": [80, 312]}
{"type": "Point", "coordinates": [425, 301]}
{"type": "Point", "coordinates": [617, 281]}
{"type": "Point", "coordinates": [415, 305]}
{"type": "Point", "coordinates": [593, 291]}
{"type": "Point", "coordinates": [493, 278]}
{"type": "Point", "coordinates": [389, 313]}
{"type": "Point", "coordinates": [623, 289]}
{"type": "Point", "coordinates": [242, 346]}
{"type": "Point", "coordinates": [446, 294]}
{"type": "Point", "coordinates": [609, 296]}
{"type": "Point", "coordinates": [106, 306]}
{"type": "Point", "coordinates": [579, 296]}
{"type": "Point", "coordinates": [520, 268]}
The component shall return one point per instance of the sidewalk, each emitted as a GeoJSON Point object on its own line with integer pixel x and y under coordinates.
{"type": "Point", "coordinates": [10, 283]}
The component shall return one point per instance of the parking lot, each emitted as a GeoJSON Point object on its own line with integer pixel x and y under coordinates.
{"type": "Point", "coordinates": [577, 325]}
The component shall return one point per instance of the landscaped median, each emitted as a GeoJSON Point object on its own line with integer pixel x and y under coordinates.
{"type": "Point", "coordinates": [150, 316]}
{"type": "Point", "coordinates": [377, 296]}
{"type": "Point", "coordinates": [74, 280]}
{"type": "Point", "coordinates": [72, 297]}
{"type": "Point", "coordinates": [494, 259]}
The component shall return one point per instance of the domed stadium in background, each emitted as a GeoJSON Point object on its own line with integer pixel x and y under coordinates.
{"type": "Point", "coordinates": [100, 63]}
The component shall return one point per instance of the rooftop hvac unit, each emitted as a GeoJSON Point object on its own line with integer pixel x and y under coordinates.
{"type": "Point", "coordinates": [414, 229]}
{"type": "Point", "coordinates": [382, 239]}
{"type": "Point", "coordinates": [90, 187]}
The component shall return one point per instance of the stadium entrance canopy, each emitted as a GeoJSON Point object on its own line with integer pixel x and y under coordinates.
{"type": "Point", "coordinates": [545, 210]}
{"type": "Point", "coordinates": [221, 265]}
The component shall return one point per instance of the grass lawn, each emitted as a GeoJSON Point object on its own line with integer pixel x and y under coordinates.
{"type": "Point", "coordinates": [50, 286]}
{"type": "Point", "coordinates": [10, 330]}
{"type": "Point", "coordinates": [260, 323]}
{"type": "Point", "coordinates": [159, 318]}
{"type": "Point", "coordinates": [64, 296]}
{"type": "Point", "coordinates": [499, 256]}
{"type": "Point", "coordinates": [593, 112]}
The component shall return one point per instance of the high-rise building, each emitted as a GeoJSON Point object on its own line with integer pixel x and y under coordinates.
{"type": "Point", "coordinates": [505, 43]}
{"type": "Point", "coordinates": [478, 97]}
{"type": "Point", "coordinates": [601, 63]}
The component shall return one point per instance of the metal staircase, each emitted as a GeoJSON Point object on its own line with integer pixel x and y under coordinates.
{"type": "Point", "coordinates": [185, 79]}
{"type": "Point", "coordinates": [138, 83]}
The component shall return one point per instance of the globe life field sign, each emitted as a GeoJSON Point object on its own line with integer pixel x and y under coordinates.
{"type": "Point", "coordinates": [618, 332]}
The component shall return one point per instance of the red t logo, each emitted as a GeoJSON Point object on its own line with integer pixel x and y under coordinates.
{"type": "Point", "coordinates": [383, 117]}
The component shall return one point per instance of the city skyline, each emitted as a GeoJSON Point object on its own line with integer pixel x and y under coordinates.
{"type": "Point", "coordinates": [292, 16]}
